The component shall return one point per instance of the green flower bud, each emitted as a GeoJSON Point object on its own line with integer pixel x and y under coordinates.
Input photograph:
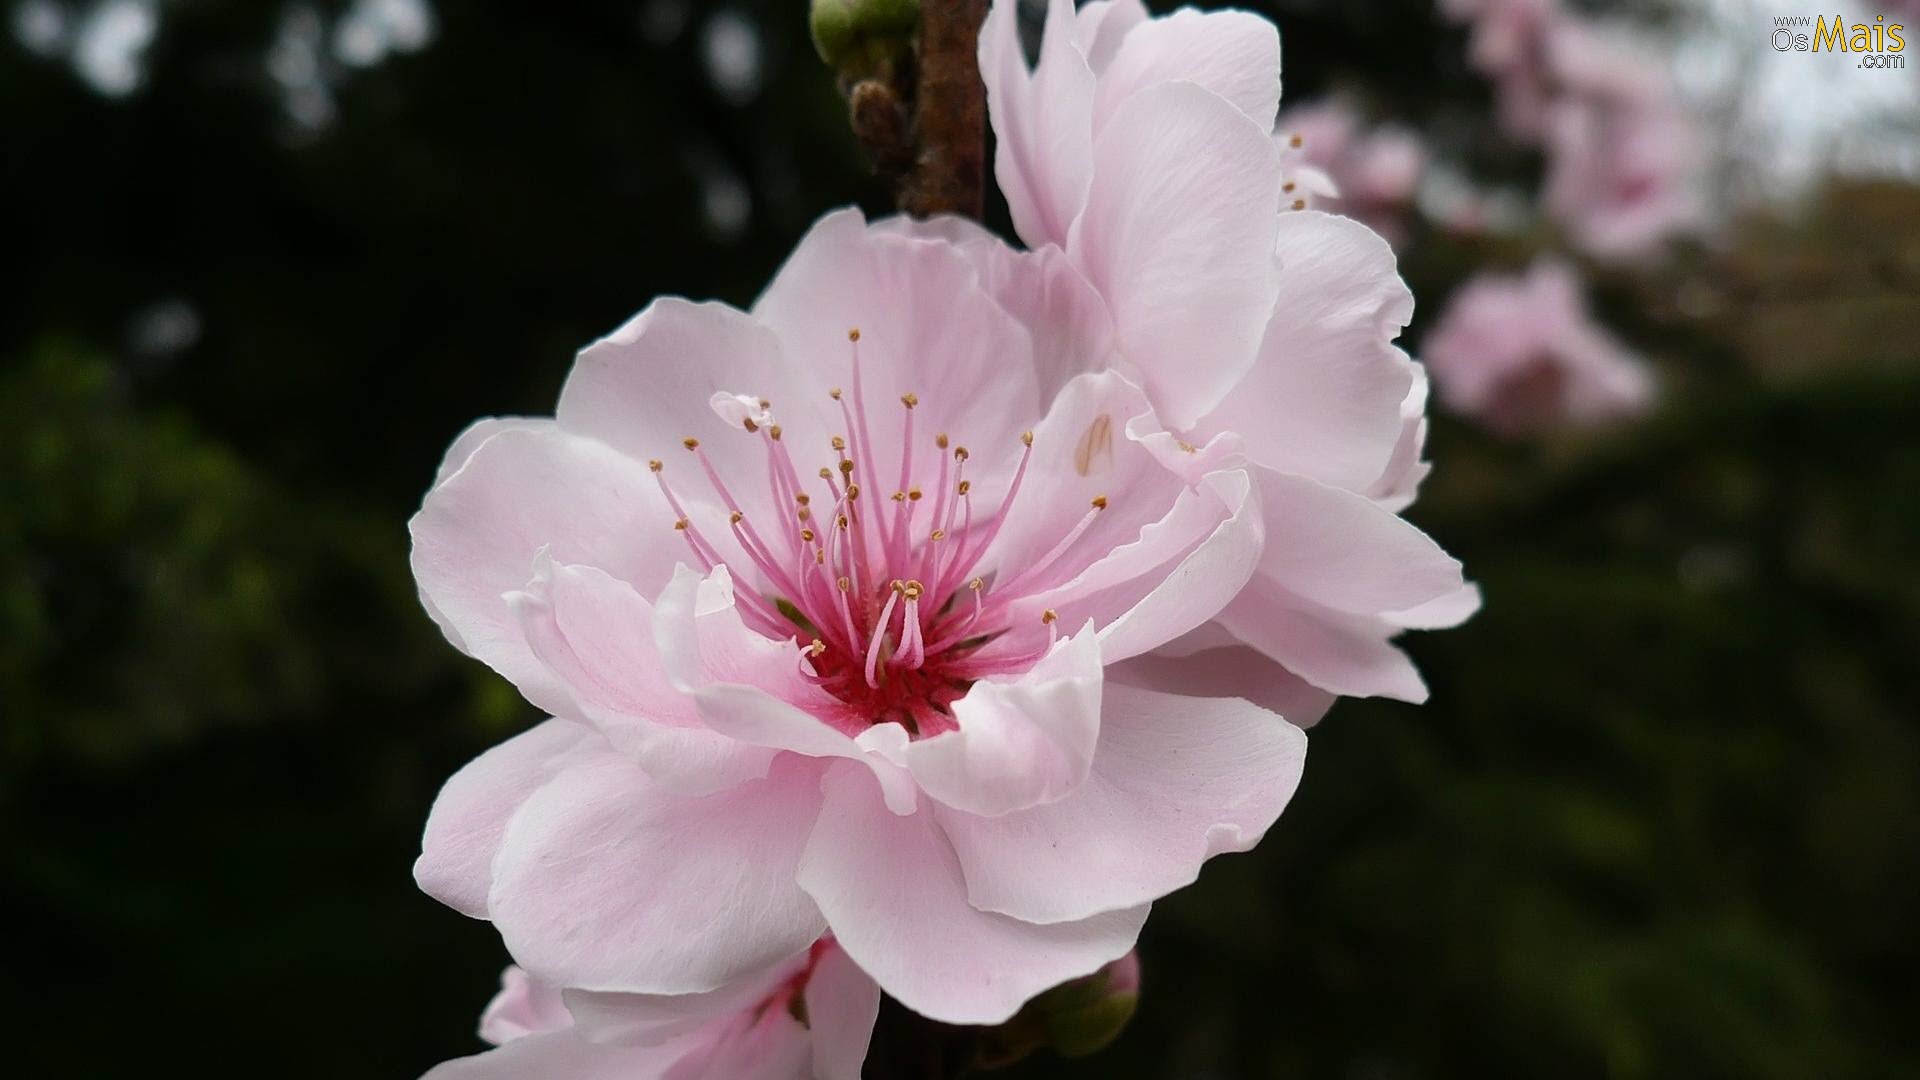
{"type": "Point", "coordinates": [859, 38]}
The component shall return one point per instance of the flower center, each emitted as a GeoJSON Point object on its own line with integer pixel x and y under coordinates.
{"type": "Point", "coordinates": [890, 587]}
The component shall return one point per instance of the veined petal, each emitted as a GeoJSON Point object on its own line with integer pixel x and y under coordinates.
{"type": "Point", "coordinates": [842, 1004]}
{"type": "Point", "coordinates": [1344, 552]}
{"type": "Point", "coordinates": [519, 493]}
{"type": "Point", "coordinates": [470, 814]}
{"type": "Point", "coordinates": [1173, 238]}
{"type": "Point", "coordinates": [1176, 781]}
{"type": "Point", "coordinates": [597, 886]}
{"type": "Point", "coordinates": [1325, 398]}
{"type": "Point", "coordinates": [596, 634]}
{"type": "Point", "coordinates": [1235, 54]}
{"type": "Point", "coordinates": [1042, 118]}
{"type": "Point", "coordinates": [894, 893]}
{"type": "Point", "coordinates": [1020, 741]}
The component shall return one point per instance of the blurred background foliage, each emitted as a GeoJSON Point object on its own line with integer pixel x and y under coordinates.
{"type": "Point", "coordinates": [1661, 817]}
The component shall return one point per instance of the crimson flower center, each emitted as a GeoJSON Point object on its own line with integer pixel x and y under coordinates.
{"type": "Point", "coordinates": [877, 566]}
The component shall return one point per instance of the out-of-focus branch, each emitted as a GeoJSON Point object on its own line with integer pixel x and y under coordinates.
{"type": "Point", "coordinates": [950, 112]}
{"type": "Point", "coordinates": [911, 77]}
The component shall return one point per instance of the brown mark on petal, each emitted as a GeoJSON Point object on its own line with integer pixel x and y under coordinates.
{"type": "Point", "coordinates": [1095, 444]}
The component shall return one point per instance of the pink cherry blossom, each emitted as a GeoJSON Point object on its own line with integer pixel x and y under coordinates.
{"type": "Point", "coordinates": [1370, 174]}
{"type": "Point", "coordinates": [1510, 43]}
{"type": "Point", "coordinates": [1297, 380]}
{"type": "Point", "coordinates": [823, 598]}
{"type": "Point", "coordinates": [811, 1016]}
{"type": "Point", "coordinates": [1522, 355]}
{"type": "Point", "coordinates": [1622, 154]}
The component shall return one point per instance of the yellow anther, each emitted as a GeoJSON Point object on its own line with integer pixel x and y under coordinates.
{"type": "Point", "coordinates": [844, 584]}
{"type": "Point", "coordinates": [960, 453]}
{"type": "Point", "coordinates": [913, 590]}
{"type": "Point", "coordinates": [846, 465]}
{"type": "Point", "coordinates": [1099, 502]}
{"type": "Point", "coordinates": [826, 473]}
{"type": "Point", "coordinates": [803, 498]}
{"type": "Point", "coordinates": [914, 494]}
{"type": "Point", "coordinates": [841, 521]}
{"type": "Point", "coordinates": [1048, 616]}
{"type": "Point", "coordinates": [940, 441]}
{"type": "Point", "coordinates": [734, 518]}
{"type": "Point", "coordinates": [774, 432]}
{"type": "Point", "coordinates": [690, 443]}
{"type": "Point", "coordinates": [817, 647]}
{"type": "Point", "coordinates": [834, 393]}
{"type": "Point", "coordinates": [899, 496]}
{"type": "Point", "coordinates": [765, 404]}
{"type": "Point", "coordinates": [654, 464]}
{"type": "Point", "coordinates": [909, 399]}
{"type": "Point", "coordinates": [938, 534]}
{"type": "Point", "coordinates": [1299, 204]}
{"type": "Point", "coordinates": [1288, 187]}
{"type": "Point", "coordinates": [977, 584]}
{"type": "Point", "coordinates": [1026, 438]}
{"type": "Point", "coordinates": [804, 514]}
{"type": "Point", "coordinates": [853, 492]}
{"type": "Point", "coordinates": [839, 443]}
{"type": "Point", "coordinates": [750, 425]}
{"type": "Point", "coordinates": [1296, 142]}
{"type": "Point", "coordinates": [853, 334]}
{"type": "Point", "coordinates": [807, 535]}
{"type": "Point", "coordinates": [965, 486]}
{"type": "Point", "coordinates": [1187, 446]}
{"type": "Point", "coordinates": [681, 524]}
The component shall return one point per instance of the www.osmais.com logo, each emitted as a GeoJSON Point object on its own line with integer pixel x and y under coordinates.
{"type": "Point", "coordinates": [1878, 43]}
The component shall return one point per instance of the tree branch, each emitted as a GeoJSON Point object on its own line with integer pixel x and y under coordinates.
{"type": "Point", "coordinates": [950, 113]}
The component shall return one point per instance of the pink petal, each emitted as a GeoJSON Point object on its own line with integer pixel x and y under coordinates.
{"type": "Point", "coordinates": [1227, 670]}
{"type": "Point", "coordinates": [522, 1007]}
{"type": "Point", "coordinates": [1101, 25]}
{"type": "Point", "coordinates": [1177, 780]}
{"type": "Point", "coordinates": [842, 1004]}
{"type": "Point", "coordinates": [772, 1046]}
{"type": "Point", "coordinates": [1020, 741]}
{"type": "Point", "coordinates": [520, 492]}
{"type": "Point", "coordinates": [748, 687]}
{"type": "Point", "coordinates": [470, 815]}
{"type": "Point", "coordinates": [1235, 54]}
{"type": "Point", "coordinates": [658, 1019]}
{"type": "Point", "coordinates": [1345, 552]}
{"type": "Point", "coordinates": [469, 440]}
{"type": "Point", "coordinates": [1350, 655]}
{"type": "Point", "coordinates": [596, 634]}
{"type": "Point", "coordinates": [927, 327]}
{"type": "Point", "coordinates": [892, 889]}
{"type": "Point", "coordinates": [1168, 239]}
{"type": "Point", "coordinates": [645, 387]}
{"type": "Point", "coordinates": [1043, 120]}
{"type": "Point", "coordinates": [1324, 399]}
{"type": "Point", "coordinates": [556, 1054]}
{"type": "Point", "coordinates": [605, 882]}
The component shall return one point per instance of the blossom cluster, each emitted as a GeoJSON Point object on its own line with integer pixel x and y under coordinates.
{"type": "Point", "coordinates": [917, 628]}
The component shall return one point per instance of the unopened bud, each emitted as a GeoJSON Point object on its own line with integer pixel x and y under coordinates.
{"type": "Point", "coordinates": [860, 39]}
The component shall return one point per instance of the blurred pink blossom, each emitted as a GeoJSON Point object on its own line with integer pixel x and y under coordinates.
{"type": "Point", "coordinates": [1509, 43]}
{"type": "Point", "coordinates": [1622, 155]}
{"type": "Point", "coordinates": [809, 1017]}
{"type": "Point", "coordinates": [1372, 174]}
{"type": "Point", "coordinates": [1522, 355]}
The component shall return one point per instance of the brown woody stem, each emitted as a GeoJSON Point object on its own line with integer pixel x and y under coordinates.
{"type": "Point", "coordinates": [950, 113]}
